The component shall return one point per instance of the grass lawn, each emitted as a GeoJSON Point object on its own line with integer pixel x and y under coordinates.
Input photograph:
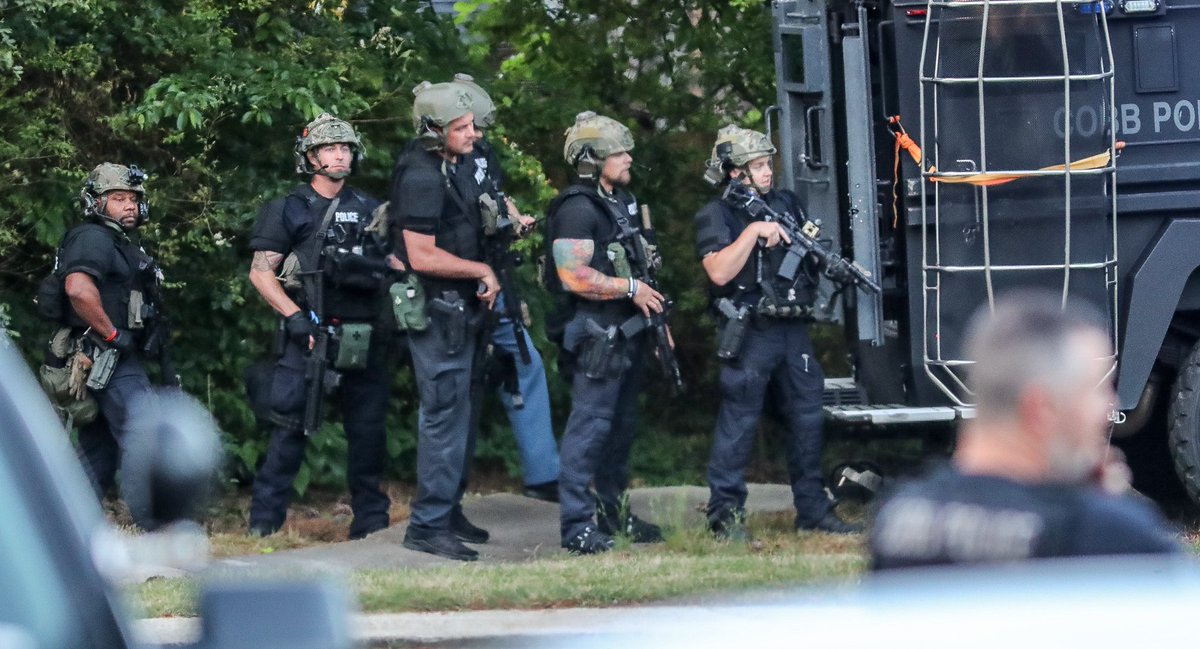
{"type": "Point", "coordinates": [689, 565]}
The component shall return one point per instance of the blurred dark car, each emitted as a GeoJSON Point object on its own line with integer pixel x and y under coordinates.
{"type": "Point", "coordinates": [58, 553]}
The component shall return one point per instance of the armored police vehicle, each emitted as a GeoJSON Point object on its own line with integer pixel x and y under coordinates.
{"type": "Point", "coordinates": [956, 148]}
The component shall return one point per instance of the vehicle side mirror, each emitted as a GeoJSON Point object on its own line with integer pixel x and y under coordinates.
{"type": "Point", "coordinates": [275, 615]}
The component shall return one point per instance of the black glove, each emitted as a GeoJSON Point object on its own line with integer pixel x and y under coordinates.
{"type": "Point", "coordinates": [299, 328]}
{"type": "Point", "coordinates": [124, 341]}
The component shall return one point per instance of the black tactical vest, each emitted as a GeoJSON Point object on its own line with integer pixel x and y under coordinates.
{"type": "Point", "coordinates": [459, 228]}
{"type": "Point", "coordinates": [131, 270]}
{"type": "Point", "coordinates": [745, 287]}
{"type": "Point", "coordinates": [351, 264]}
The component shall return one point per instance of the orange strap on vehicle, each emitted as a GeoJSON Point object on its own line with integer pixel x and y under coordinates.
{"type": "Point", "coordinates": [984, 179]}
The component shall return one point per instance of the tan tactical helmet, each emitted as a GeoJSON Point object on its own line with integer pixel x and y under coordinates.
{"type": "Point", "coordinates": [482, 104]}
{"type": "Point", "coordinates": [591, 139]}
{"type": "Point", "coordinates": [327, 129]}
{"type": "Point", "coordinates": [436, 105]}
{"type": "Point", "coordinates": [736, 147]}
{"type": "Point", "coordinates": [107, 177]}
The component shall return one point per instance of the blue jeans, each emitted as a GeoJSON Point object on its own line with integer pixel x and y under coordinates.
{"type": "Point", "coordinates": [531, 424]}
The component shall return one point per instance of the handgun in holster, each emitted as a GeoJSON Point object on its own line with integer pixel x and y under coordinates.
{"type": "Point", "coordinates": [733, 330]}
{"type": "Point", "coordinates": [597, 357]}
{"type": "Point", "coordinates": [453, 320]}
{"type": "Point", "coordinates": [103, 366]}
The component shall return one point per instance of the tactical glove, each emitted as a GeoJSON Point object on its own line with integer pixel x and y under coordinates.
{"type": "Point", "coordinates": [299, 328]}
{"type": "Point", "coordinates": [124, 342]}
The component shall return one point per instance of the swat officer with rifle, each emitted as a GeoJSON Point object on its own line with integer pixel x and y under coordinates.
{"type": "Point", "coordinates": [761, 257]}
{"type": "Point", "coordinates": [329, 297]}
{"type": "Point", "coordinates": [601, 260]}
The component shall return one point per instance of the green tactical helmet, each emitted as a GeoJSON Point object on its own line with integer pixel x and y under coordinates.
{"type": "Point", "coordinates": [108, 177]}
{"type": "Point", "coordinates": [483, 106]}
{"type": "Point", "coordinates": [592, 138]}
{"type": "Point", "coordinates": [327, 129]}
{"type": "Point", "coordinates": [737, 147]}
{"type": "Point", "coordinates": [436, 105]}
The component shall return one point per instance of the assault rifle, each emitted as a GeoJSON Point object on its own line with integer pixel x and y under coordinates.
{"type": "Point", "coordinates": [835, 267]}
{"type": "Point", "coordinates": [499, 233]}
{"type": "Point", "coordinates": [158, 331]}
{"type": "Point", "coordinates": [318, 378]}
{"type": "Point", "coordinates": [644, 265]}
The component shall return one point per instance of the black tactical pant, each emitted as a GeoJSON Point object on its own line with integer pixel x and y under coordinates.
{"type": "Point", "coordinates": [362, 397]}
{"type": "Point", "coordinates": [599, 433]}
{"type": "Point", "coordinates": [450, 394]}
{"type": "Point", "coordinates": [102, 441]}
{"type": "Point", "coordinates": [778, 351]}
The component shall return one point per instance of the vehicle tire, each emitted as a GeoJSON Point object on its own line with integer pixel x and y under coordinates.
{"type": "Point", "coordinates": [1183, 424]}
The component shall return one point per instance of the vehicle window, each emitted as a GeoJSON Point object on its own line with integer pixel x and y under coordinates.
{"type": "Point", "coordinates": [32, 596]}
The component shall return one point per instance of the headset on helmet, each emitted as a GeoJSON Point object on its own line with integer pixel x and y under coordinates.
{"type": "Point", "coordinates": [327, 129]}
{"type": "Point", "coordinates": [108, 177]}
{"type": "Point", "coordinates": [435, 105]}
{"type": "Point", "coordinates": [481, 104]}
{"type": "Point", "coordinates": [735, 147]}
{"type": "Point", "coordinates": [591, 139]}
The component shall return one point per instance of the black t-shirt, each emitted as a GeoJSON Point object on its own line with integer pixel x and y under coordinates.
{"type": "Point", "coordinates": [291, 230]}
{"type": "Point", "coordinates": [952, 518]}
{"type": "Point", "coordinates": [433, 197]}
{"type": "Point", "coordinates": [579, 217]}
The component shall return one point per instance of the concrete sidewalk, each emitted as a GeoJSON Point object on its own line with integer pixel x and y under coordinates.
{"type": "Point", "coordinates": [522, 529]}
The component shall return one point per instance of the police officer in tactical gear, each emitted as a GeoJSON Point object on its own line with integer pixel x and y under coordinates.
{"type": "Point", "coordinates": [763, 339]}
{"type": "Point", "coordinates": [320, 227]}
{"type": "Point", "coordinates": [591, 222]}
{"type": "Point", "coordinates": [438, 233]}
{"type": "Point", "coordinates": [110, 283]}
{"type": "Point", "coordinates": [531, 423]}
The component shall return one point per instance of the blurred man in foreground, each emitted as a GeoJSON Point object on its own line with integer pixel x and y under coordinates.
{"type": "Point", "coordinates": [1032, 475]}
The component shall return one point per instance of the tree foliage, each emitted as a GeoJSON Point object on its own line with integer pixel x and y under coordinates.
{"type": "Point", "coordinates": [208, 96]}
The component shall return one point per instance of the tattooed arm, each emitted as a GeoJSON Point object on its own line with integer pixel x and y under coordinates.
{"type": "Point", "coordinates": [571, 257]}
{"type": "Point", "coordinates": [262, 276]}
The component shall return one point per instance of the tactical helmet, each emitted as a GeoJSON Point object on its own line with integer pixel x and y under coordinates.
{"type": "Point", "coordinates": [736, 147]}
{"type": "Point", "coordinates": [591, 139]}
{"type": "Point", "coordinates": [327, 129]}
{"type": "Point", "coordinates": [436, 105]}
{"type": "Point", "coordinates": [108, 177]}
{"type": "Point", "coordinates": [482, 105]}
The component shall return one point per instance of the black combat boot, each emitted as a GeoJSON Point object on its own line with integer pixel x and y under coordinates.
{"type": "Point", "coordinates": [832, 524]}
{"type": "Point", "coordinates": [638, 530]}
{"type": "Point", "coordinates": [730, 526]}
{"type": "Point", "coordinates": [589, 541]}
{"type": "Point", "coordinates": [443, 543]}
{"type": "Point", "coordinates": [464, 529]}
